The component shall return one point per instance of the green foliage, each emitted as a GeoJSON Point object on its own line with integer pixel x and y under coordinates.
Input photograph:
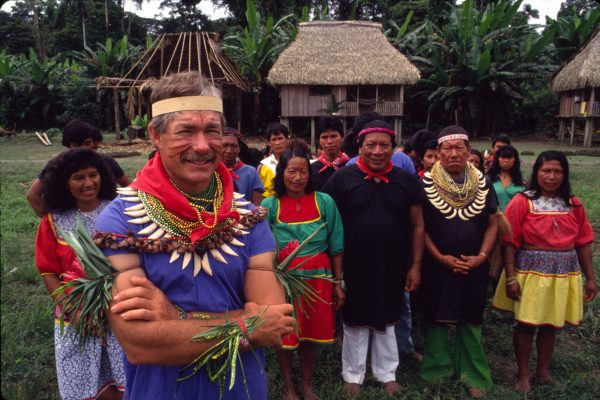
{"type": "Point", "coordinates": [31, 88]}
{"type": "Point", "coordinates": [255, 47]}
{"type": "Point", "coordinates": [141, 122]}
{"type": "Point", "coordinates": [28, 368]}
{"type": "Point", "coordinates": [474, 65]}
{"type": "Point", "coordinates": [573, 31]}
{"type": "Point", "coordinates": [110, 59]}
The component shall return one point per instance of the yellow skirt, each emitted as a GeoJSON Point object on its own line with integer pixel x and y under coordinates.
{"type": "Point", "coordinates": [551, 290]}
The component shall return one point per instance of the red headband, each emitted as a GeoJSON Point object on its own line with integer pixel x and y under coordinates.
{"type": "Point", "coordinates": [376, 129]}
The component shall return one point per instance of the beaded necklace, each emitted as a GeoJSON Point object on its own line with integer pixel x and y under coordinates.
{"type": "Point", "coordinates": [457, 195]}
{"type": "Point", "coordinates": [180, 227]}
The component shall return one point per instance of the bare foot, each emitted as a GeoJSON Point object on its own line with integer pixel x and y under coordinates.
{"type": "Point", "coordinates": [289, 391]}
{"type": "Point", "coordinates": [523, 385]}
{"type": "Point", "coordinates": [543, 379]}
{"type": "Point", "coordinates": [307, 392]}
{"type": "Point", "coordinates": [475, 393]}
{"type": "Point", "coordinates": [392, 387]}
{"type": "Point", "coordinates": [351, 389]}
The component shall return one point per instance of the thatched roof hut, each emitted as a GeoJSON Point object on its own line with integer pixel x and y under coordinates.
{"type": "Point", "coordinates": [582, 70]}
{"type": "Point", "coordinates": [173, 53]}
{"type": "Point", "coordinates": [342, 53]}
{"type": "Point", "coordinates": [578, 82]}
{"type": "Point", "coordinates": [342, 68]}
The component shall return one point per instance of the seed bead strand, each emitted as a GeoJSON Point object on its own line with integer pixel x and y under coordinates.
{"type": "Point", "coordinates": [455, 194]}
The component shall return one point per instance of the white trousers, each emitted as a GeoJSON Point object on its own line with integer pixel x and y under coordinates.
{"type": "Point", "coordinates": [384, 354]}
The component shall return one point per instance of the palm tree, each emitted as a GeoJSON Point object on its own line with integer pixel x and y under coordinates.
{"type": "Point", "coordinates": [255, 48]}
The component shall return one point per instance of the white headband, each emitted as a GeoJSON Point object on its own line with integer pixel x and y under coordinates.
{"type": "Point", "coordinates": [187, 103]}
{"type": "Point", "coordinates": [452, 137]}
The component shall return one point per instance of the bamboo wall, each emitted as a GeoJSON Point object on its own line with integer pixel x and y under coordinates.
{"type": "Point", "coordinates": [297, 101]}
{"type": "Point", "coordinates": [579, 103]}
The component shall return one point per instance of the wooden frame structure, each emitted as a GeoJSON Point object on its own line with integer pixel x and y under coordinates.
{"type": "Point", "coordinates": [173, 53]}
{"type": "Point", "coordinates": [578, 82]}
{"type": "Point", "coordinates": [343, 68]}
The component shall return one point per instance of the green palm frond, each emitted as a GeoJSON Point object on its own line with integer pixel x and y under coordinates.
{"type": "Point", "coordinates": [89, 296]}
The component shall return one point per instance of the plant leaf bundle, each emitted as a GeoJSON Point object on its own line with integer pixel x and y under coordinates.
{"type": "Point", "coordinates": [296, 289]}
{"type": "Point", "coordinates": [221, 359]}
{"type": "Point", "coordinates": [89, 296]}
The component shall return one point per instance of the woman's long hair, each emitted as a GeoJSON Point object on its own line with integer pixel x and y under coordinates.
{"type": "Point", "coordinates": [296, 148]}
{"type": "Point", "coordinates": [515, 172]}
{"type": "Point", "coordinates": [564, 191]}
{"type": "Point", "coordinates": [55, 193]}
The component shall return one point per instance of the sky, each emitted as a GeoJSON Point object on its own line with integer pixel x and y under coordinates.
{"type": "Point", "coordinates": [150, 8]}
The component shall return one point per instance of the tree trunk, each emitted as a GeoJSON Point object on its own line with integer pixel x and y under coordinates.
{"type": "Point", "coordinates": [117, 114]}
{"type": "Point", "coordinates": [38, 34]}
{"type": "Point", "coordinates": [106, 18]}
{"type": "Point", "coordinates": [82, 14]}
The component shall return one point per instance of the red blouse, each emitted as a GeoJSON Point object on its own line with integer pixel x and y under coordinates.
{"type": "Point", "coordinates": [54, 256]}
{"type": "Point", "coordinates": [548, 229]}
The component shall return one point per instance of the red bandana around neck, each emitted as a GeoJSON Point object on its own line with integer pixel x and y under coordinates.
{"type": "Point", "coordinates": [237, 166]}
{"type": "Point", "coordinates": [153, 179]}
{"type": "Point", "coordinates": [335, 164]}
{"type": "Point", "coordinates": [377, 176]}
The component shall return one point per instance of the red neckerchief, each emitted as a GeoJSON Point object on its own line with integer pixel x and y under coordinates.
{"type": "Point", "coordinates": [153, 180]}
{"type": "Point", "coordinates": [335, 164]}
{"type": "Point", "coordinates": [382, 176]}
{"type": "Point", "coordinates": [237, 166]}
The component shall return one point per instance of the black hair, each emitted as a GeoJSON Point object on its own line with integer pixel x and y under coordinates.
{"type": "Point", "coordinates": [478, 154]}
{"type": "Point", "coordinates": [407, 147]}
{"type": "Point", "coordinates": [77, 131]}
{"type": "Point", "coordinates": [428, 145]}
{"type": "Point", "coordinates": [376, 124]}
{"type": "Point", "coordinates": [564, 191]}
{"type": "Point", "coordinates": [418, 140]}
{"type": "Point", "coordinates": [515, 172]}
{"type": "Point", "coordinates": [245, 155]}
{"type": "Point", "coordinates": [56, 195]}
{"type": "Point", "coordinates": [349, 144]}
{"type": "Point", "coordinates": [275, 128]}
{"type": "Point", "coordinates": [296, 148]}
{"type": "Point", "coordinates": [501, 138]}
{"type": "Point", "coordinates": [329, 123]}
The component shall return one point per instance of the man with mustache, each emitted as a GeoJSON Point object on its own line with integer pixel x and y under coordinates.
{"type": "Point", "coordinates": [189, 255]}
{"type": "Point", "coordinates": [245, 177]}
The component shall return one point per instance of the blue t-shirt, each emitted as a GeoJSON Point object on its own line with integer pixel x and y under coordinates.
{"type": "Point", "coordinates": [248, 182]}
{"type": "Point", "coordinates": [399, 159]}
{"type": "Point", "coordinates": [219, 293]}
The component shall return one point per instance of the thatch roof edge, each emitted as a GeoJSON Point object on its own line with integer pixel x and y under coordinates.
{"type": "Point", "coordinates": [581, 69]}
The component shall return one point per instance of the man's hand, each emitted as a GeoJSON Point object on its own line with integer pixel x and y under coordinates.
{"type": "Point", "coordinates": [276, 323]}
{"type": "Point", "coordinates": [339, 296]}
{"type": "Point", "coordinates": [143, 301]}
{"type": "Point", "coordinates": [413, 279]}
{"type": "Point", "coordinates": [471, 262]}
{"type": "Point", "coordinates": [453, 263]}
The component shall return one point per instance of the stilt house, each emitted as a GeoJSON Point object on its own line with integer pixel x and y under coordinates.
{"type": "Point", "coordinates": [578, 83]}
{"type": "Point", "coordinates": [342, 68]}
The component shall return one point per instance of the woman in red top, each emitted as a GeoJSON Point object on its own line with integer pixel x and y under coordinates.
{"type": "Point", "coordinates": [77, 185]}
{"type": "Point", "coordinates": [550, 246]}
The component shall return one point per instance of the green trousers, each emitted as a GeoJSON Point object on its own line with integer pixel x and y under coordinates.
{"type": "Point", "coordinates": [470, 363]}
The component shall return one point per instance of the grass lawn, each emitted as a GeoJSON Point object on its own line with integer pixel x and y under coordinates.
{"type": "Point", "coordinates": [27, 312]}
